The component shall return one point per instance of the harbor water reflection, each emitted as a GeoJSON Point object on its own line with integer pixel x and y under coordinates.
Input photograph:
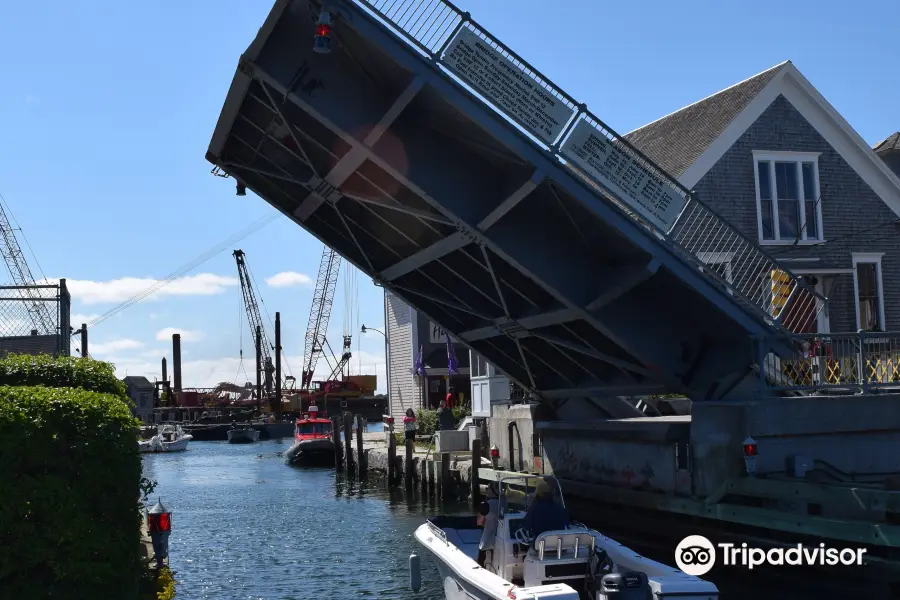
{"type": "Point", "coordinates": [246, 526]}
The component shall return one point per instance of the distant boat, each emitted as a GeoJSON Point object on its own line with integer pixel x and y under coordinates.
{"type": "Point", "coordinates": [242, 435]}
{"type": "Point", "coordinates": [169, 438]}
{"type": "Point", "coordinates": [312, 439]}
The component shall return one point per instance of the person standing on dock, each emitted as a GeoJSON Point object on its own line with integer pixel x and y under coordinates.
{"type": "Point", "coordinates": [445, 417]}
{"type": "Point", "coordinates": [409, 425]}
{"type": "Point", "coordinates": [449, 398]}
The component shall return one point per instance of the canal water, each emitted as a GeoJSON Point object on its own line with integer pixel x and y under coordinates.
{"type": "Point", "coordinates": [245, 526]}
{"type": "Point", "coordinates": [248, 527]}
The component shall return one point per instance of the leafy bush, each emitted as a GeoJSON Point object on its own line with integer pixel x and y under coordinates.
{"type": "Point", "coordinates": [70, 482]}
{"type": "Point", "coordinates": [61, 372]}
{"type": "Point", "coordinates": [427, 419]}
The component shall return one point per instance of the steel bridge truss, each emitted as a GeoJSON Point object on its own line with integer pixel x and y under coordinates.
{"type": "Point", "coordinates": [381, 155]}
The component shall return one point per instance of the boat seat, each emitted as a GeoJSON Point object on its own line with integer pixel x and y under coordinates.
{"type": "Point", "coordinates": [560, 543]}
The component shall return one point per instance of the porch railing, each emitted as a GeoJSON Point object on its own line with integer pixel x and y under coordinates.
{"type": "Point", "coordinates": [627, 178]}
{"type": "Point", "coordinates": [831, 362]}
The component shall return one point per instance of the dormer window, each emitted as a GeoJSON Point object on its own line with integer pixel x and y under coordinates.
{"type": "Point", "coordinates": [788, 199]}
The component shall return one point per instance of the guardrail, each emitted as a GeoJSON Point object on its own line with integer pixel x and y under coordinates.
{"type": "Point", "coordinates": [821, 362]}
{"type": "Point", "coordinates": [607, 161]}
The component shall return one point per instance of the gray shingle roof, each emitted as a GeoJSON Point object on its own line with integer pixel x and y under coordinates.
{"type": "Point", "coordinates": [892, 142]}
{"type": "Point", "coordinates": [675, 141]}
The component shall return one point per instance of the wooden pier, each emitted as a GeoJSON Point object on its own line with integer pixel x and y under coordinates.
{"type": "Point", "coordinates": [414, 465]}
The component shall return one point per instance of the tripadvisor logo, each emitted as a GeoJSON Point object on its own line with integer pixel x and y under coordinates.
{"type": "Point", "coordinates": [696, 555]}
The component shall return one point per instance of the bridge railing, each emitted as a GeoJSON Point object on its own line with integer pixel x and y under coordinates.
{"type": "Point", "coordinates": [607, 161]}
{"type": "Point", "coordinates": [837, 361]}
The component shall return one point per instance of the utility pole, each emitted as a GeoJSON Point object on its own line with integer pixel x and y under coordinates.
{"type": "Point", "coordinates": [84, 339]}
{"type": "Point", "coordinates": [258, 368]}
{"type": "Point", "coordinates": [278, 365]}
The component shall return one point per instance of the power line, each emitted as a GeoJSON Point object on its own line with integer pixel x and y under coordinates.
{"type": "Point", "coordinates": [186, 268]}
{"type": "Point", "coordinates": [840, 238]}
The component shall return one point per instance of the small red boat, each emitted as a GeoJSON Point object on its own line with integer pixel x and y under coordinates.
{"type": "Point", "coordinates": [312, 438]}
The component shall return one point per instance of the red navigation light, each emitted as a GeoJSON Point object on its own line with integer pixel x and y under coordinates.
{"type": "Point", "coordinates": [495, 452]}
{"type": "Point", "coordinates": [322, 40]}
{"type": "Point", "coordinates": [159, 520]}
{"type": "Point", "coordinates": [750, 448]}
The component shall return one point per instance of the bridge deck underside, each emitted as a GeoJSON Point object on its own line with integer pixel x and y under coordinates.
{"type": "Point", "coordinates": [385, 159]}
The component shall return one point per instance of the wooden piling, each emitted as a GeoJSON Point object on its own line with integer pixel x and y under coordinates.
{"type": "Point", "coordinates": [407, 464]}
{"type": "Point", "coordinates": [474, 477]}
{"type": "Point", "coordinates": [445, 475]}
{"type": "Point", "coordinates": [392, 459]}
{"type": "Point", "coordinates": [336, 441]}
{"type": "Point", "coordinates": [348, 441]}
{"type": "Point", "coordinates": [429, 467]}
{"type": "Point", "coordinates": [360, 455]}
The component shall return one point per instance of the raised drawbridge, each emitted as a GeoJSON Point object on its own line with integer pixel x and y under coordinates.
{"type": "Point", "coordinates": [405, 136]}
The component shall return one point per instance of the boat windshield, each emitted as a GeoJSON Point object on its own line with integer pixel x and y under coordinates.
{"type": "Point", "coordinates": [517, 494]}
{"type": "Point", "coordinates": [313, 428]}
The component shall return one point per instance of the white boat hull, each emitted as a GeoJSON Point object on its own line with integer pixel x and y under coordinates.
{"type": "Point", "coordinates": [150, 446]}
{"type": "Point", "coordinates": [456, 550]}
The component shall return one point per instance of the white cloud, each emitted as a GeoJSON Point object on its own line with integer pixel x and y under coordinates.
{"type": "Point", "coordinates": [209, 372]}
{"type": "Point", "coordinates": [187, 335]}
{"type": "Point", "coordinates": [288, 279]}
{"type": "Point", "coordinates": [125, 288]}
{"type": "Point", "coordinates": [113, 346]}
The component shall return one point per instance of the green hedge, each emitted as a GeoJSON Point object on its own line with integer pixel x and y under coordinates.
{"type": "Point", "coordinates": [62, 372]}
{"type": "Point", "coordinates": [69, 486]}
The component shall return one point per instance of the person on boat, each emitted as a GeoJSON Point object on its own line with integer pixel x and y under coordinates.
{"type": "Point", "coordinates": [234, 424]}
{"type": "Point", "coordinates": [409, 425]}
{"type": "Point", "coordinates": [445, 417]}
{"type": "Point", "coordinates": [544, 514]}
{"type": "Point", "coordinates": [488, 517]}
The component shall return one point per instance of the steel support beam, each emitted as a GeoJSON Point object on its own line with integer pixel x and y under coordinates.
{"type": "Point", "coordinates": [424, 256]}
{"type": "Point", "coordinates": [606, 390]}
{"type": "Point", "coordinates": [358, 155]}
{"type": "Point", "coordinates": [512, 200]}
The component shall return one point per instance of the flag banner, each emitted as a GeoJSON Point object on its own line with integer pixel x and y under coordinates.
{"type": "Point", "coordinates": [452, 364]}
{"type": "Point", "coordinates": [420, 362]}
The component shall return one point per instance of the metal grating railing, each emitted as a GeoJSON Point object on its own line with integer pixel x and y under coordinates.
{"type": "Point", "coordinates": [732, 261]}
{"type": "Point", "coordinates": [825, 362]}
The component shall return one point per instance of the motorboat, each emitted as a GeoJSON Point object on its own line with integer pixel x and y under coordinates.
{"type": "Point", "coordinates": [242, 435]}
{"type": "Point", "coordinates": [312, 439]}
{"type": "Point", "coordinates": [575, 563]}
{"type": "Point", "coordinates": [169, 438]}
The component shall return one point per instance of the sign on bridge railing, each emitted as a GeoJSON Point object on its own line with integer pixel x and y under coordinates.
{"type": "Point", "coordinates": [504, 83]}
{"type": "Point", "coordinates": [656, 200]}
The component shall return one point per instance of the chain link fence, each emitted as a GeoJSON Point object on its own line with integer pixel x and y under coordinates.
{"type": "Point", "coordinates": [34, 319]}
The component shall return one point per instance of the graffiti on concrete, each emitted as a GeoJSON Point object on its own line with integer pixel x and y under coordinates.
{"type": "Point", "coordinates": [589, 467]}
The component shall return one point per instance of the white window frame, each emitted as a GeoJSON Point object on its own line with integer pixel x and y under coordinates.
{"type": "Point", "coordinates": [869, 258]}
{"type": "Point", "coordinates": [795, 157]}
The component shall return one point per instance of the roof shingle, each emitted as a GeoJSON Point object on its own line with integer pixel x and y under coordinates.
{"type": "Point", "coordinates": [675, 141]}
{"type": "Point", "coordinates": [892, 142]}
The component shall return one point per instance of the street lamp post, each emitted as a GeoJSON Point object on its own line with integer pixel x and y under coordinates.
{"type": "Point", "coordinates": [387, 366]}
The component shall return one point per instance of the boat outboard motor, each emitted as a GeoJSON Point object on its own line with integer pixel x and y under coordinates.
{"type": "Point", "coordinates": [630, 585]}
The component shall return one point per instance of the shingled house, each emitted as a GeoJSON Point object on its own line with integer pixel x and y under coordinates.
{"type": "Point", "coordinates": [775, 159]}
{"type": "Point", "coordinates": [889, 151]}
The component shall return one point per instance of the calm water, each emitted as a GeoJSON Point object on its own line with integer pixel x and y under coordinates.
{"type": "Point", "coordinates": [246, 526]}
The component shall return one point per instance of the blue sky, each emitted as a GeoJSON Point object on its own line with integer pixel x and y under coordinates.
{"type": "Point", "coordinates": [107, 109]}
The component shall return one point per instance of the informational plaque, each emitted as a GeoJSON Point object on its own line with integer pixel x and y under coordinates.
{"type": "Point", "coordinates": [648, 194]}
{"type": "Point", "coordinates": [498, 79]}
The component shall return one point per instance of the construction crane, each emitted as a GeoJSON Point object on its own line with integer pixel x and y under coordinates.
{"type": "Point", "coordinates": [18, 267]}
{"type": "Point", "coordinates": [256, 324]}
{"type": "Point", "coordinates": [320, 313]}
